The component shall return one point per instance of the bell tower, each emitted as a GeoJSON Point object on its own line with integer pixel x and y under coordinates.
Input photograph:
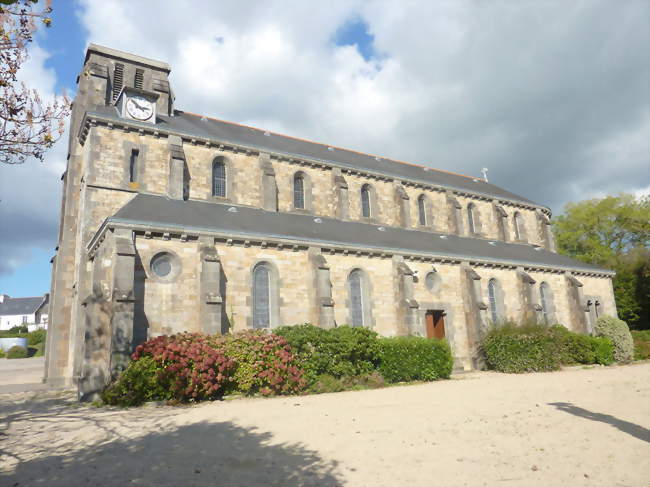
{"type": "Point", "coordinates": [106, 75]}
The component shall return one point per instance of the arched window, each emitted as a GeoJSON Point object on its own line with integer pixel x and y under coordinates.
{"type": "Point", "coordinates": [492, 298]}
{"type": "Point", "coordinates": [262, 296]}
{"type": "Point", "coordinates": [422, 209]}
{"type": "Point", "coordinates": [219, 178]}
{"type": "Point", "coordinates": [299, 191]}
{"type": "Point", "coordinates": [358, 302]}
{"type": "Point", "coordinates": [545, 301]}
{"type": "Point", "coordinates": [365, 200]}
{"type": "Point", "coordinates": [517, 224]}
{"type": "Point", "coordinates": [470, 217]}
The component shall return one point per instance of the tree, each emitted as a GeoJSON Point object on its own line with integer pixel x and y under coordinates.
{"type": "Point", "coordinates": [613, 232]}
{"type": "Point", "coordinates": [28, 125]}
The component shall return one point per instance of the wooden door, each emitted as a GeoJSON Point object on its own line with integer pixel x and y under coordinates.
{"type": "Point", "coordinates": [438, 324]}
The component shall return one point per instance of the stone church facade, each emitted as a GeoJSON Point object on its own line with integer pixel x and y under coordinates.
{"type": "Point", "coordinates": [172, 221]}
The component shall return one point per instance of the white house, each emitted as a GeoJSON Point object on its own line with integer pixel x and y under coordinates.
{"type": "Point", "coordinates": [32, 312]}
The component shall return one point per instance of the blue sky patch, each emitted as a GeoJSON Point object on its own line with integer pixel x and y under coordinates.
{"type": "Point", "coordinates": [66, 42]}
{"type": "Point", "coordinates": [355, 32]}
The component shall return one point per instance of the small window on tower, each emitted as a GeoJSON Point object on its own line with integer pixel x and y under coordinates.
{"type": "Point", "coordinates": [133, 166]}
{"type": "Point", "coordinates": [139, 78]}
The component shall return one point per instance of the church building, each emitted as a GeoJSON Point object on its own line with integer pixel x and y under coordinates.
{"type": "Point", "coordinates": [173, 221]}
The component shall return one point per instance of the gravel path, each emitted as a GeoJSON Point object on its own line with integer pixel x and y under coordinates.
{"type": "Point", "coordinates": [578, 427]}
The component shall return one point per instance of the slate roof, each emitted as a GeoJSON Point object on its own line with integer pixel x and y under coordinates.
{"type": "Point", "coordinates": [20, 306]}
{"type": "Point", "coordinates": [197, 126]}
{"type": "Point", "coordinates": [162, 212]}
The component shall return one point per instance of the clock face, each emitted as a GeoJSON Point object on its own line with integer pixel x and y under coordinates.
{"type": "Point", "coordinates": [139, 107]}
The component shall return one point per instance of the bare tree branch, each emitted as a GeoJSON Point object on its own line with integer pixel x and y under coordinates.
{"type": "Point", "coordinates": [28, 125]}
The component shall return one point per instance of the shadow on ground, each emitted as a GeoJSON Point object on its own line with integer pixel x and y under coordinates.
{"type": "Point", "coordinates": [200, 454]}
{"type": "Point", "coordinates": [625, 426]}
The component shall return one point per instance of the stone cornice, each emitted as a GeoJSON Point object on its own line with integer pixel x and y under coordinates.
{"type": "Point", "coordinates": [91, 119]}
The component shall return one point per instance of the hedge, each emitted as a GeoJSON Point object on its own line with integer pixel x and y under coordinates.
{"type": "Point", "coordinates": [339, 352]}
{"type": "Point", "coordinates": [414, 358]}
{"type": "Point", "coordinates": [531, 348]}
{"type": "Point", "coordinates": [515, 349]}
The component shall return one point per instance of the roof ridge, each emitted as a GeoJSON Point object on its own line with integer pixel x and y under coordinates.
{"type": "Point", "coordinates": [428, 168]}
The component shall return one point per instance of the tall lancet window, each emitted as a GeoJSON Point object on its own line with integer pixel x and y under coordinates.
{"type": "Point", "coordinates": [517, 223]}
{"type": "Point", "coordinates": [299, 191]}
{"type": "Point", "coordinates": [133, 166]}
{"type": "Point", "coordinates": [357, 301]}
{"type": "Point", "coordinates": [471, 217]}
{"type": "Point", "coordinates": [492, 298]}
{"type": "Point", "coordinates": [422, 210]}
{"type": "Point", "coordinates": [365, 200]}
{"type": "Point", "coordinates": [219, 178]}
{"type": "Point", "coordinates": [545, 298]}
{"type": "Point", "coordinates": [262, 296]}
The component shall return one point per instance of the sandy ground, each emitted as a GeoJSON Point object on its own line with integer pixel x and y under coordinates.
{"type": "Point", "coordinates": [578, 427]}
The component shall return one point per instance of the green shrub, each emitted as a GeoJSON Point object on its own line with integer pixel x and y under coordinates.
{"type": "Point", "coordinates": [414, 358]}
{"type": "Point", "coordinates": [326, 383]}
{"type": "Point", "coordinates": [263, 363]}
{"type": "Point", "coordinates": [573, 348]}
{"type": "Point", "coordinates": [641, 340]}
{"type": "Point", "coordinates": [619, 333]}
{"type": "Point", "coordinates": [17, 352]}
{"type": "Point", "coordinates": [2, 353]}
{"type": "Point", "coordinates": [142, 381]}
{"type": "Point", "coordinates": [603, 350]}
{"type": "Point", "coordinates": [340, 352]}
{"type": "Point", "coordinates": [37, 336]}
{"type": "Point", "coordinates": [18, 329]}
{"type": "Point", "coordinates": [374, 380]}
{"type": "Point", "coordinates": [517, 349]}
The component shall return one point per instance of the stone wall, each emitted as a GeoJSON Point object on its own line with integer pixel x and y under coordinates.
{"type": "Point", "coordinates": [108, 161]}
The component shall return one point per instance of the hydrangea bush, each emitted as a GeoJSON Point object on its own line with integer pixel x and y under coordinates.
{"type": "Point", "coordinates": [264, 363]}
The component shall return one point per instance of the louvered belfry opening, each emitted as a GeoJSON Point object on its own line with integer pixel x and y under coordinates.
{"type": "Point", "coordinates": [139, 78]}
{"type": "Point", "coordinates": [299, 191]}
{"type": "Point", "coordinates": [118, 79]}
{"type": "Point", "coordinates": [261, 297]}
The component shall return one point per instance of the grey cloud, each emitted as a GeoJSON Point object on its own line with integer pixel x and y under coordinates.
{"type": "Point", "coordinates": [553, 97]}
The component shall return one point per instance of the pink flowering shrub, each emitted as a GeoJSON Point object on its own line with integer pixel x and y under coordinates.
{"type": "Point", "coordinates": [193, 366]}
{"type": "Point", "coordinates": [264, 364]}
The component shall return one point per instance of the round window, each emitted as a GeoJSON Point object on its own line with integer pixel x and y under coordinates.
{"type": "Point", "coordinates": [432, 282]}
{"type": "Point", "coordinates": [161, 265]}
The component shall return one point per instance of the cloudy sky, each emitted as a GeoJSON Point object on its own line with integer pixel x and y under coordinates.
{"type": "Point", "coordinates": [553, 97]}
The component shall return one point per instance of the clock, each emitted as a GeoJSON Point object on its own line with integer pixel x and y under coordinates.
{"type": "Point", "coordinates": [139, 107]}
{"type": "Point", "coordinates": [137, 104]}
